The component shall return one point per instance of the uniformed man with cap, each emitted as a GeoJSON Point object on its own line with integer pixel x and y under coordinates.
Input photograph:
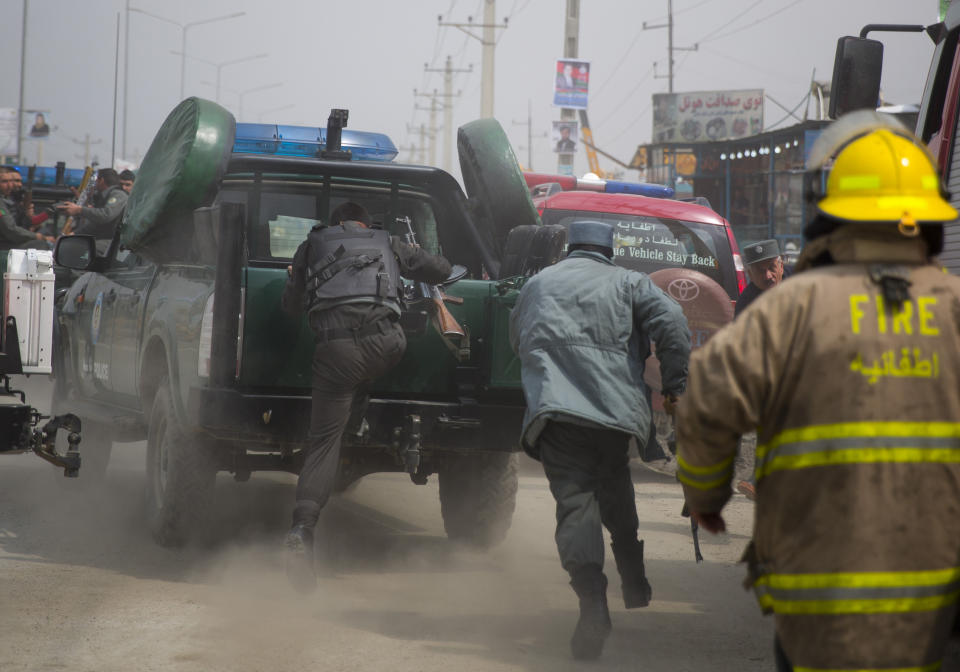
{"type": "Point", "coordinates": [764, 267]}
{"type": "Point", "coordinates": [583, 329]}
{"type": "Point", "coordinates": [346, 275]}
{"type": "Point", "coordinates": [100, 219]}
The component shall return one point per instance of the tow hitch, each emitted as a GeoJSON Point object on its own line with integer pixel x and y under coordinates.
{"type": "Point", "coordinates": [19, 432]}
{"type": "Point", "coordinates": [406, 448]}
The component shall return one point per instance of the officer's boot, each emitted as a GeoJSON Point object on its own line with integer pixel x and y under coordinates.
{"type": "Point", "coordinates": [633, 579]}
{"type": "Point", "coordinates": [299, 547]}
{"type": "Point", "coordinates": [594, 625]}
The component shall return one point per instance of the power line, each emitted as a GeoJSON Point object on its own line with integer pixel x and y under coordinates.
{"type": "Point", "coordinates": [617, 107]}
{"type": "Point", "coordinates": [748, 64]}
{"type": "Point", "coordinates": [731, 21]}
{"type": "Point", "coordinates": [683, 11]}
{"type": "Point", "coordinates": [758, 21]}
{"type": "Point", "coordinates": [623, 59]}
{"type": "Point", "coordinates": [633, 122]}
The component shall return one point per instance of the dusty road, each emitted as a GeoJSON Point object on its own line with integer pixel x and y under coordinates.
{"type": "Point", "coordinates": [83, 587]}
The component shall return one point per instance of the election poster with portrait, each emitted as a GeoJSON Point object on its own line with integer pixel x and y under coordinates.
{"type": "Point", "coordinates": [571, 82]}
{"type": "Point", "coordinates": [705, 116]}
{"type": "Point", "coordinates": [36, 124]}
{"type": "Point", "coordinates": [564, 137]}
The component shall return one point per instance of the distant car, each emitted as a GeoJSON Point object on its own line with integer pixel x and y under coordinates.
{"type": "Point", "coordinates": [688, 250]}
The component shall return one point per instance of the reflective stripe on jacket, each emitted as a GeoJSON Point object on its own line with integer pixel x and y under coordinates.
{"type": "Point", "coordinates": [856, 545]}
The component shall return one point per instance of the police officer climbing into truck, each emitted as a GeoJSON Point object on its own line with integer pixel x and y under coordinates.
{"type": "Point", "coordinates": [851, 372]}
{"type": "Point", "coordinates": [347, 276]}
{"type": "Point", "coordinates": [582, 329]}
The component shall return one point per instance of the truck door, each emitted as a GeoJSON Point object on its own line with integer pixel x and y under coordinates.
{"type": "Point", "coordinates": [129, 280]}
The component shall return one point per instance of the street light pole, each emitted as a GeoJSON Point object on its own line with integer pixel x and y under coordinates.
{"type": "Point", "coordinates": [184, 27]}
{"type": "Point", "coordinates": [220, 66]}
{"type": "Point", "coordinates": [183, 44]}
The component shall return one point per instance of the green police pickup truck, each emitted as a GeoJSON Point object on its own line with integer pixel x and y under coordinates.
{"type": "Point", "coordinates": [176, 336]}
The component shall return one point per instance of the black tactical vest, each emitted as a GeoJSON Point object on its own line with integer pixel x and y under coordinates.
{"type": "Point", "coordinates": [351, 261]}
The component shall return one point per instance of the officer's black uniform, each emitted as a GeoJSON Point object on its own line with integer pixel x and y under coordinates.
{"type": "Point", "coordinates": [349, 277]}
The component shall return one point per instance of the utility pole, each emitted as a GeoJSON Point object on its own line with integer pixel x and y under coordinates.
{"type": "Point", "coordinates": [418, 152]}
{"type": "Point", "coordinates": [571, 47]}
{"type": "Point", "coordinates": [86, 142]}
{"type": "Point", "coordinates": [489, 42]}
{"type": "Point", "coordinates": [670, 48]}
{"type": "Point", "coordinates": [448, 96]}
{"type": "Point", "coordinates": [529, 124]}
{"type": "Point", "coordinates": [23, 67]}
{"type": "Point", "coordinates": [434, 106]}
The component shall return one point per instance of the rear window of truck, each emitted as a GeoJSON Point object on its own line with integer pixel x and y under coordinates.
{"type": "Point", "coordinates": [280, 215]}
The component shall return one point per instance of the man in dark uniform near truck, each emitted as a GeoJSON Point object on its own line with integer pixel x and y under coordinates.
{"type": "Point", "coordinates": [13, 236]}
{"type": "Point", "coordinates": [764, 267]}
{"type": "Point", "coordinates": [582, 329]}
{"type": "Point", "coordinates": [346, 275]}
{"type": "Point", "coordinates": [100, 219]}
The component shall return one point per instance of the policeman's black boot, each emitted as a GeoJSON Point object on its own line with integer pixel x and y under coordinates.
{"type": "Point", "coordinates": [594, 625]}
{"type": "Point", "coordinates": [298, 546]}
{"type": "Point", "coordinates": [633, 579]}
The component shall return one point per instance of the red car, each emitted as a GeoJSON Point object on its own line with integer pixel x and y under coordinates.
{"type": "Point", "coordinates": [688, 250]}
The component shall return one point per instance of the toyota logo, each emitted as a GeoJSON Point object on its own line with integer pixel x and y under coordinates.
{"type": "Point", "coordinates": [683, 289]}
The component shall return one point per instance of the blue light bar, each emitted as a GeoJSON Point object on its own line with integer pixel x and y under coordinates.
{"type": "Point", "coordinates": [307, 142]}
{"type": "Point", "coordinates": [639, 188]}
{"type": "Point", "coordinates": [44, 175]}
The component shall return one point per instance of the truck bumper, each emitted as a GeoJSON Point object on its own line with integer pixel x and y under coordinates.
{"type": "Point", "coordinates": [273, 420]}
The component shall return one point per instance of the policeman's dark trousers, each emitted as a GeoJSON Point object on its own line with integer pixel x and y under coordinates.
{"type": "Point", "coordinates": [340, 368]}
{"type": "Point", "coordinates": [589, 475]}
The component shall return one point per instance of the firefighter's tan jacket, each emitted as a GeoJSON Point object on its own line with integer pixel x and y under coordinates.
{"type": "Point", "coordinates": [857, 409]}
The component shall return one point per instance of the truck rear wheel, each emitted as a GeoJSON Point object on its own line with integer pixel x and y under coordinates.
{"type": "Point", "coordinates": [478, 494]}
{"type": "Point", "coordinates": [180, 475]}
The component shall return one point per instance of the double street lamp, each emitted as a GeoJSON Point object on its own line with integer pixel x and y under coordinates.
{"type": "Point", "coordinates": [241, 94]}
{"type": "Point", "coordinates": [220, 66]}
{"type": "Point", "coordinates": [184, 27]}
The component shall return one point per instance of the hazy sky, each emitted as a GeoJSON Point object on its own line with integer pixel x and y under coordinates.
{"type": "Point", "coordinates": [369, 56]}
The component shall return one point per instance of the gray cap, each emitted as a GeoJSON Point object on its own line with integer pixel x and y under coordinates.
{"type": "Point", "coordinates": [590, 232]}
{"type": "Point", "coordinates": [760, 251]}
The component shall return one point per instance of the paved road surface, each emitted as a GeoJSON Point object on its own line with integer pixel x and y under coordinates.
{"type": "Point", "coordinates": [83, 587]}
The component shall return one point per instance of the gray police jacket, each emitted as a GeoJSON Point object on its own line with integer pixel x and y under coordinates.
{"type": "Point", "coordinates": [582, 329]}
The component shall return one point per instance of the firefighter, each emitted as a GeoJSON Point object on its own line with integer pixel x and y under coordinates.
{"type": "Point", "coordinates": [582, 329]}
{"type": "Point", "coordinates": [347, 278]}
{"type": "Point", "coordinates": [850, 373]}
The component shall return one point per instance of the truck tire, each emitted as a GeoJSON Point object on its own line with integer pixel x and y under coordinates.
{"type": "Point", "coordinates": [478, 494]}
{"type": "Point", "coordinates": [492, 177]}
{"type": "Point", "coordinates": [180, 172]}
{"type": "Point", "coordinates": [180, 475]}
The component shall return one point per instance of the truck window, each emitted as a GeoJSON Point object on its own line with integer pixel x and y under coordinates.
{"type": "Point", "coordinates": [285, 213]}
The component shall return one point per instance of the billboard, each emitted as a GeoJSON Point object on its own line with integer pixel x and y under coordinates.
{"type": "Point", "coordinates": [564, 137]}
{"type": "Point", "coordinates": [36, 124]}
{"type": "Point", "coordinates": [8, 131]}
{"type": "Point", "coordinates": [571, 80]}
{"type": "Point", "coordinates": [703, 116]}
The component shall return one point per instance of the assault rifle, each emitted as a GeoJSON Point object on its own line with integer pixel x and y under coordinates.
{"type": "Point", "coordinates": [446, 323]}
{"type": "Point", "coordinates": [86, 191]}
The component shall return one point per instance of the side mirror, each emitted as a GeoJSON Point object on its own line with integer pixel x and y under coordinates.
{"type": "Point", "coordinates": [856, 75]}
{"type": "Point", "coordinates": [76, 252]}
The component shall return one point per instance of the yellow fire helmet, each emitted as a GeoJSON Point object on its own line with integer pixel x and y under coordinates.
{"type": "Point", "coordinates": [881, 173]}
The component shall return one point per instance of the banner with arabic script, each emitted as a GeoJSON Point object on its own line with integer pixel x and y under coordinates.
{"type": "Point", "coordinates": [704, 116]}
